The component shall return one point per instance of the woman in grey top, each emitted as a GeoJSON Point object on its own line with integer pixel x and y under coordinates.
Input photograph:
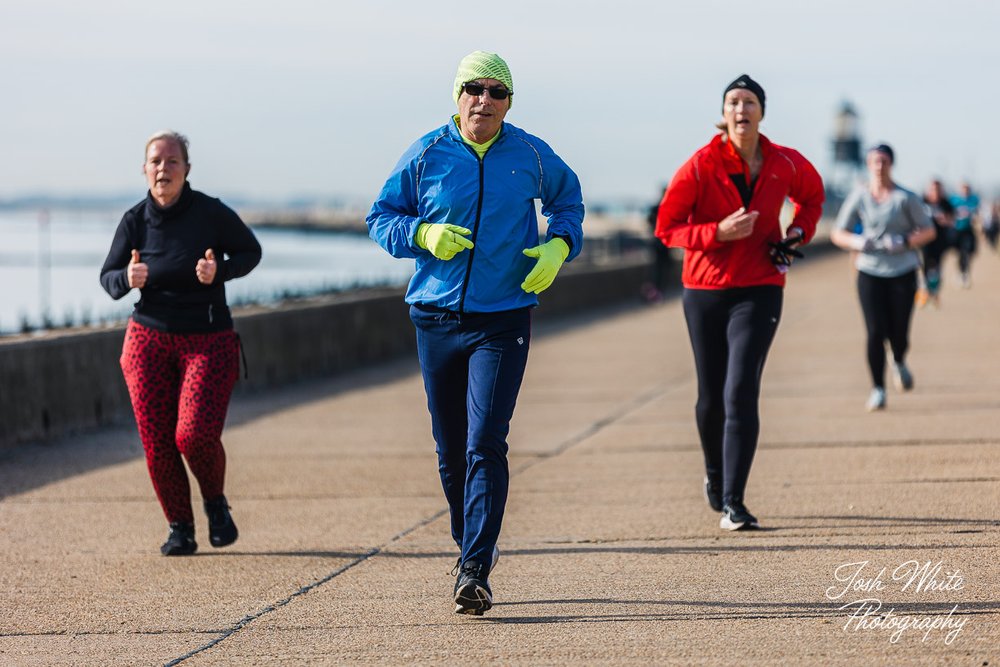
{"type": "Point", "coordinates": [885, 225]}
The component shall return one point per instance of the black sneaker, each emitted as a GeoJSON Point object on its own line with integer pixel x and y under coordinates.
{"type": "Point", "coordinates": [735, 516]}
{"type": "Point", "coordinates": [472, 591]}
{"type": "Point", "coordinates": [713, 494]}
{"type": "Point", "coordinates": [493, 564]}
{"type": "Point", "coordinates": [221, 529]}
{"type": "Point", "coordinates": [180, 542]}
{"type": "Point", "coordinates": [902, 376]}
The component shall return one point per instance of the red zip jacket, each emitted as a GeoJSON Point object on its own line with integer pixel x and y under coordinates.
{"type": "Point", "coordinates": [701, 194]}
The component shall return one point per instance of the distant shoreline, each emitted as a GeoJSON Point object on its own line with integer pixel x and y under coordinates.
{"type": "Point", "coordinates": [319, 218]}
{"type": "Point", "coordinates": [327, 221]}
{"type": "Point", "coordinates": [354, 222]}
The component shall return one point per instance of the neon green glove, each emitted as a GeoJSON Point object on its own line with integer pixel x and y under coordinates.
{"type": "Point", "coordinates": [550, 257]}
{"type": "Point", "coordinates": [443, 241]}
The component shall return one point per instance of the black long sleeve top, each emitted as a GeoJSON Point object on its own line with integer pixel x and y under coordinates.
{"type": "Point", "coordinates": [170, 241]}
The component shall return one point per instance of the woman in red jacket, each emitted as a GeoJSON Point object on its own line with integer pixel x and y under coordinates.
{"type": "Point", "coordinates": [722, 207]}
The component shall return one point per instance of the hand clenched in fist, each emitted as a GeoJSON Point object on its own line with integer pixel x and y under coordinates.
{"type": "Point", "coordinates": [737, 225]}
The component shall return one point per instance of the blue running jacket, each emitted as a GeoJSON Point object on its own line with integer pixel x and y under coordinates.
{"type": "Point", "coordinates": [440, 179]}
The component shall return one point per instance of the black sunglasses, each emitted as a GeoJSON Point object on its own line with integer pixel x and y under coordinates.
{"type": "Point", "coordinates": [496, 92]}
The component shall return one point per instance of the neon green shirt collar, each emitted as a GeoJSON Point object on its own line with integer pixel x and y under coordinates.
{"type": "Point", "coordinates": [479, 148]}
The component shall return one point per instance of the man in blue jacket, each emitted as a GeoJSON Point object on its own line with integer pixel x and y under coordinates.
{"type": "Point", "coordinates": [461, 201]}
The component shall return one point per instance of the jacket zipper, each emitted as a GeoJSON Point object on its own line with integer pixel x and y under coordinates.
{"type": "Point", "coordinates": [475, 233]}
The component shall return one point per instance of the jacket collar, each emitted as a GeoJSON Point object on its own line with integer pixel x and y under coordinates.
{"type": "Point", "coordinates": [730, 161]}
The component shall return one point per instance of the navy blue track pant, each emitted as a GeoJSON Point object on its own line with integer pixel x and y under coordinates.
{"type": "Point", "coordinates": [731, 332]}
{"type": "Point", "coordinates": [472, 364]}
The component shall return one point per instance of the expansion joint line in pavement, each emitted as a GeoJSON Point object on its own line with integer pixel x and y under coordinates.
{"type": "Point", "coordinates": [591, 430]}
{"type": "Point", "coordinates": [250, 618]}
{"type": "Point", "coordinates": [596, 427]}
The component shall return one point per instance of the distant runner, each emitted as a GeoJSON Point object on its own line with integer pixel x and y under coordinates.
{"type": "Point", "coordinates": [894, 225]}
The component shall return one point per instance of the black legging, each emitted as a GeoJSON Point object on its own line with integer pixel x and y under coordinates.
{"type": "Point", "coordinates": [887, 304]}
{"type": "Point", "coordinates": [933, 252]}
{"type": "Point", "coordinates": [731, 332]}
{"type": "Point", "coordinates": [965, 243]}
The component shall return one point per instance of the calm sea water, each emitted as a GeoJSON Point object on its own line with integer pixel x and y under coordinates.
{"type": "Point", "coordinates": [54, 267]}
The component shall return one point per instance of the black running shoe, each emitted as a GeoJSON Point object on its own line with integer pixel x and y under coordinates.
{"type": "Point", "coordinates": [221, 529]}
{"type": "Point", "coordinates": [472, 591]}
{"type": "Point", "coordinates": [713, 494]}
{"type": "Point", "coordinates": [493, 564]}
{"type": "Point", "coordinates": [902, 376]}
{"type": "Point", "coordinates": [735, 516]}
{"type": "Point", "coordinates": [180, 542]}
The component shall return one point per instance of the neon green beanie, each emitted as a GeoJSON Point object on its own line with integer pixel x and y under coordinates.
{"type": "Point", "coordinates": [483, 65]}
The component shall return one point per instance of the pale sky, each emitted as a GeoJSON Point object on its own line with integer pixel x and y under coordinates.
{"type": "Point", "coordinates": [313, 98]}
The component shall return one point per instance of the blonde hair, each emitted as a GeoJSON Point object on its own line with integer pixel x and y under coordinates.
{"type": "Point", "coordinates": [181, 140]}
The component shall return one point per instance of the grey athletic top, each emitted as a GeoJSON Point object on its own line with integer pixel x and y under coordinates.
{"type": "Point", "coordinates": [885, 226]}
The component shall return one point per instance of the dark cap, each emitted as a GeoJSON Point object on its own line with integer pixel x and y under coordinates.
{"type": "Point", "coordinates": [884, 148]}
{"type": "Point", "coordinates": [746, 83]}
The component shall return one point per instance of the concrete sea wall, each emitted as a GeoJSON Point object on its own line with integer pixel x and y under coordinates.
{"type": "Point", "coordinates": [63, 382]}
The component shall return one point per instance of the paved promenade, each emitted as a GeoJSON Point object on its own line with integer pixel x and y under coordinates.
{"type": "Point", "coordinates": [610, 555]}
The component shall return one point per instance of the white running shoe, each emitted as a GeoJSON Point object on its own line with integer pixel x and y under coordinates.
{"type": "Point", "coordinates": [876, 400]}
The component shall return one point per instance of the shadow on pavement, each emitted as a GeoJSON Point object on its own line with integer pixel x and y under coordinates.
{"type": "Point", "coordinates": [710, 610]}
{"type": "Point", "coordinates": [33, 465]}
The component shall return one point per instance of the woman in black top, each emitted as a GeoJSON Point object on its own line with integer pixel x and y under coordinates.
{"type": "Point", "coordinates": [181, 356]}
{"type": "Point", "coordinates": [943, 216]}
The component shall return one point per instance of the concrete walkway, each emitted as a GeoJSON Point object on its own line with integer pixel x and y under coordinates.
{"type": "Point", "coordinates": [610, 554]}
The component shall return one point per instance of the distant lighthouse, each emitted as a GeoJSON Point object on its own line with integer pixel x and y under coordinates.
{"type": "Point", "coordinates": [847, 158]}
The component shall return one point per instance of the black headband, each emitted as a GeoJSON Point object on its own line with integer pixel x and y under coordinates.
{"type": "Point", "coordinates": [746, 83]}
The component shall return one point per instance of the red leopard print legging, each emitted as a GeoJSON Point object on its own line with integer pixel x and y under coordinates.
{"type": "Point", "coordinates": [180, 386]}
